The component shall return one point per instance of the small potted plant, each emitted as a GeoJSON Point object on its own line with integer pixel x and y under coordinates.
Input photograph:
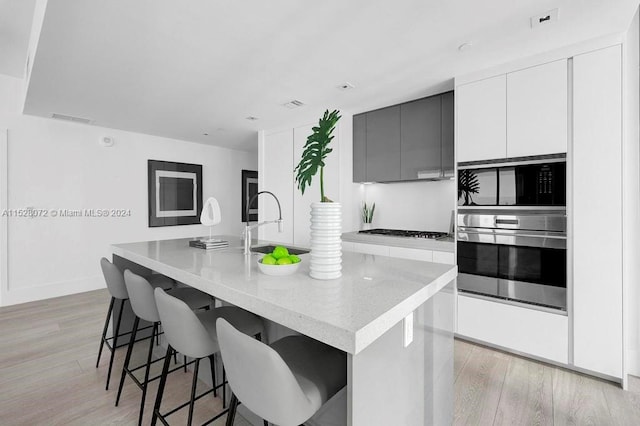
{"type": "Point", "coordinates": [326, 215]}
{"type": "Point", "coordinates": [367, 215]}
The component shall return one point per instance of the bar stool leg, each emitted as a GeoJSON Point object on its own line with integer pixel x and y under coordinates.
{"type": "Point", "coordinates": [224, 388]}
{"type": "Point", "coordinates": [115, 343]}
{"type": "Point", "coordinates": [104, 330]}
{"type": "Point", "coordinates": [212, 361]}
{"type": "Point", "coordinates": [194, 384]}
{"type": "Point", "coordinates": [231, 414]}
{"type": "Point", "coordinates": [163, 382]}
{"type": "Point", "coordinates": [132, 340]}
{"type": "Point", "coordinates": [145, 384]}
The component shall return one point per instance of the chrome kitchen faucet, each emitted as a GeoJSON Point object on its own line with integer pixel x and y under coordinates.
{"type": "Point", "coordinates": [248, 228]}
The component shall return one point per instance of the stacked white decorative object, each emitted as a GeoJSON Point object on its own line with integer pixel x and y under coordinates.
{"type": "Point", "coordinates": [326, 242]}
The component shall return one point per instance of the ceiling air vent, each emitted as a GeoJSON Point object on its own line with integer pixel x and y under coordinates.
{"type": "Point", "coordinates": [293, 104]}
{"type": "Point", "coordinates": [71, 118]}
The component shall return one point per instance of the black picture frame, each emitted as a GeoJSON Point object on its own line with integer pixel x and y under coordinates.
{"type": "Point", "coordinates": [249, 189]}
{"type": "Point", "coordinates": [174, 193]}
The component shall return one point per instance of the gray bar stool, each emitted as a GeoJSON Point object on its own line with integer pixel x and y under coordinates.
{"type": "Point", "coordinates": [144, 307]}
{"type": "Point", "coordinates": [194, 334]}
{"type": "Point", "coordinates": [114, 278]}
{"type": "Point", "coordinates": [286, 382]}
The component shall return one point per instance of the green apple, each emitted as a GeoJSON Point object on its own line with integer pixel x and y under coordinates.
{"type": "Point", "coordinates": [269, 260]}
{"type": "Point", "coordinates": [284, 261]}
{"type": "Point", "coordinates": [280, 252]}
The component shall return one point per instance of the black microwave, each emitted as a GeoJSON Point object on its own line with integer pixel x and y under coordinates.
{"type": "Point", "coordinates": [534, 182]}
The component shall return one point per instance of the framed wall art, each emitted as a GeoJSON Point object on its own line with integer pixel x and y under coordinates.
{"type": "Point", "coordinates": [249, 189]}
{"type": "Point", "coordinates": [175, 193]}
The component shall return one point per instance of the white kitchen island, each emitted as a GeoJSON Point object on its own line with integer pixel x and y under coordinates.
{"type": "Point", "coordinates": [362, 313]}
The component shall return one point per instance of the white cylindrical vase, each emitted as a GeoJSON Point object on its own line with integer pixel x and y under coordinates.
{"type": "Point", "coordinates": [326, 241]}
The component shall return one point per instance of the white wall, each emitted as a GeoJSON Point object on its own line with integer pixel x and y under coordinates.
{"type": "Point", "coordinates": [420, 205]}
{"type": "Point", "coordinates": [59, 165]}
{"type": "Point", "coordinates": [631, 197]}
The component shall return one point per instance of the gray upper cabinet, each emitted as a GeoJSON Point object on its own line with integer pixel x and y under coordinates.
{"type": "Point", "coordinates": [383, 145]}
{"type": "Point", "coordinates": [360, 148]}
{"type": "Point", "coordinates": [420, 149]}
{"type": "Point", "coordinates": [405, 142]}
{"type": "Point", "coordinates": [447, 129]}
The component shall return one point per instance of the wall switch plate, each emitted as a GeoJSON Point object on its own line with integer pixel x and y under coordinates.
{"type": "Point", "coordinates": [408, 329]}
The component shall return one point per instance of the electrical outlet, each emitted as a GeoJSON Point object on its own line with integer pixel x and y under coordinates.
{"type": "Point", "coordinates": [408, 329]}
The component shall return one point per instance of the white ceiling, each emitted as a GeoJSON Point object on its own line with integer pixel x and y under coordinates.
{"type": "Point", "coordinates": [181, 69]}
{"type": "Point", "coordinates": [15, 26]}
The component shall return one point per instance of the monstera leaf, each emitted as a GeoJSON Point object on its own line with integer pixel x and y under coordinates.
{"type": "Point", "coordinates": [467, 184]}
{"type": "Point", "coordinates": [315, 152]}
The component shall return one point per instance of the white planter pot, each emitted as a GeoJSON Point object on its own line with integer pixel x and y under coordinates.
{"type": "Point", "coordinates": [366, 226]}
{"type": "Point", "coordinates": [326, 241]}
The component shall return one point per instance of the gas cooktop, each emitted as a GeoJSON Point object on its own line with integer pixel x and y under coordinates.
{"type": "Point", "coordinates": [404, 233]}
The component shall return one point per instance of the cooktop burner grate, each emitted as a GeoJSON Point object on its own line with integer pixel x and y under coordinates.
{"type": "Point", "coordinates": [404, 233]}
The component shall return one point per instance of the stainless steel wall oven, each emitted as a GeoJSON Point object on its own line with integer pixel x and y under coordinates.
{"type": "Point", "coordinates": [512, 232]}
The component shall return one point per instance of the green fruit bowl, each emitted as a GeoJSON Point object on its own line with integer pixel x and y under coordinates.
{"type": "Point", "coordinates": [278, 270]}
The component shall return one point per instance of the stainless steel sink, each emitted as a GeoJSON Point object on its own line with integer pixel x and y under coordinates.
{"type": "Point", "coordinates": [269, 249]}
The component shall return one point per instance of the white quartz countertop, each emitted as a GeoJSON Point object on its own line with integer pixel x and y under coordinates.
{"type": "Point", "coordinates": [444, 244]}
{"type": "Point", "coordinates": [349, 313]}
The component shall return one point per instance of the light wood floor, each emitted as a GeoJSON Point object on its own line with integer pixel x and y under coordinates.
{"type": "Point", "coordinates": [495, 388]}
{"type": "Point", "coordinates": [48, 377]}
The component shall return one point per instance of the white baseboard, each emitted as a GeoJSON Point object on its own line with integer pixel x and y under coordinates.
{"type": "Point", "coordinates": [633, 362]}
{"type": "Point", "coordinates": [15, 296]}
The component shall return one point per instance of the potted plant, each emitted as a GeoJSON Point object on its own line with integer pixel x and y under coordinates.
{"type": "Point", "coordinates": [326, 215]}
{"type": "Point", "coordinates": [367, 215]}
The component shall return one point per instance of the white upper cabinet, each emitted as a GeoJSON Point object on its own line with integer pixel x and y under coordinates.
{"type": "Point", "coordinates": [482, 119]}
{"type": "Point", "coordinates": [518, 114]}
{"type": "Point", "coordinates": [537, 110]}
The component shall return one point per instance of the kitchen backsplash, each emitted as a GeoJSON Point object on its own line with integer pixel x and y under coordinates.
{"type": "Point", "coordinates": [420, 205]}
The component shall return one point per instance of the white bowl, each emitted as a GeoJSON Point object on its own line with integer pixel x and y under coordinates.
{"type": "Point", "coordinates": [278, 270]}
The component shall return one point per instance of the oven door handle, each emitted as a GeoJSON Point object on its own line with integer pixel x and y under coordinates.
{"type": "Point", "coordinates": [506, 221]}
{"type": "Point", "coordinates": [512, 234]}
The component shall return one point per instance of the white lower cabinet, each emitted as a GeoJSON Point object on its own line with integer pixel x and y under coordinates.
{"type": "Point", "coordinates": [371, 249]}
{"type": "Point", "coordinates": [524, 330]}
{"type": "Point", "coordinates": [411, 253]}
{"type": "Point", "coordinates": [400, 252]}
{"type": "Point", "coordinates": [446, 257]}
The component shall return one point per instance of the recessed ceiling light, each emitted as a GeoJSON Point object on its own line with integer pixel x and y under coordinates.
{"type": "Point", "coordinates": [346, 86]}
{"type": "Point", "coordinates": [252, 118]}
{"type": "Point", "coordinates": [293, 104]}
{"type": "Point", "coordinates": [205, 134]}
{"type": "Point", "coordinates": [465, 46]}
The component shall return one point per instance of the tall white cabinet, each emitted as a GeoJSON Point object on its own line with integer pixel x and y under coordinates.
{"type": "Point", "coordinates": [597, 206]}
{"type": "Point", "coordinates": [276, 151]}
